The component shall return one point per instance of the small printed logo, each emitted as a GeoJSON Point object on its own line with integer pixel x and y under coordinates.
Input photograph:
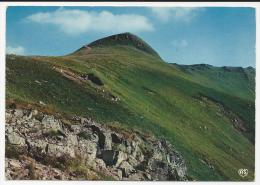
{"type": "Point", "coordinates": [243, 172]}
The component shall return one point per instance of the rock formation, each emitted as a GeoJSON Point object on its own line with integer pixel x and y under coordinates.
{"type": "Point", "coordinates": [42, 146]}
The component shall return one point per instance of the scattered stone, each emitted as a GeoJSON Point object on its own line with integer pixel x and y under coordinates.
{"type": "Point", "coordinates": [34, 112]}
{"type": "Point", "coordinates": [36, 81]}
{"type": "Point", "coordinates": [126, 168]}
{"type": "Point", "coordinates": [75, 128]}
{"type": "Point", "coordinates": [8, 129]}
{"type": "Point", "coordinates": [37, 147]}
{"type": "Point", "coordinates": [72, 140]}
{"type": "Point", "coordinates": [100, 164]}
{"type": "Point", "coordinates": [120, 174]}
{"type": "Point", "coordinates": [15, 139]}
{"type": "Point", "coordinates": [83, 120]}
{"type": "Point", "coordinates": [148, 176]}
{"type": "Point", "coordinates": [18, 113]}
{"type": "Point", "coordinates": [137, 176]}
{"type": "Point", "coordinates": [42, 103]}
{"type": "Point", "coordinates": [59, 151]}
{"type": "Point", "coordinates": [8, 117]}
{"type": "Point", "coordinates": [14, 163]}
{"type": "Point", "coordinates": [133, 161]}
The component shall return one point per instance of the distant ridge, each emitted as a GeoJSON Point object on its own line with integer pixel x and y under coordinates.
{"type": "Point", "coordinates": [203, 66]}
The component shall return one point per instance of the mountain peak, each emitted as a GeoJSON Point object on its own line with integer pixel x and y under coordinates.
{"type": "Point", "coordinates": [125, 39]}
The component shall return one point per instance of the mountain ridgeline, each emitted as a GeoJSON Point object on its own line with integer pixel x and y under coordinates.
{"type": "Point", "coordinates": [206, 113]}
{"type": "Point", "coordinates": [124, 39]}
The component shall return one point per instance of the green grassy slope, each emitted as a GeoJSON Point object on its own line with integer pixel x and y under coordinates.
{"type": "Point", "coordinates": [175, 102]}
{"type": "Point", "coordinates": [236, 81]}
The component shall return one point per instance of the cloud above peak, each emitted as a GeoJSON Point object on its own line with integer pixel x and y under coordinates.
{"type": "Point", "coordinates": [75, 22]}
{"type": "Point", "coordinates": [185, 14]}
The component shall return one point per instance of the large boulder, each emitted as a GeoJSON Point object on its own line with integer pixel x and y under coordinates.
{"type": "Point", "coordinates": [122, 156]}
{"type": "Point", "coordinates": [108, 141]}
{"type": "Point", "coordinates": [49, 122]}
{"type": "Point", "coordinates": [8, 129]}
{"type": "Point", "coordinates": [18, 113]}
{"type": "Point", "coordinates": [87, 149]}
{"type": "Point", "coordinates": [109, 157]}
{"type": "Point", "coordinates": [37, 147]}
{"type": "Point", "coordinates": [14, 139]}
{"type": "Point", "coordinates": [15, 145]}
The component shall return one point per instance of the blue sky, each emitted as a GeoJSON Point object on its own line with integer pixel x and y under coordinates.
{"type": "Point", "coordinates": [214, 35]}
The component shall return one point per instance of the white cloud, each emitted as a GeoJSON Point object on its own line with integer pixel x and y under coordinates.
{"type": "Point", "coordinates": [185, 14]}
{"type": "Point", "coordinates": [19, 50]}
{"type": "Point", "coordinates": [182, 43]}
{"type": "Point", "coordinates": [74, 22]}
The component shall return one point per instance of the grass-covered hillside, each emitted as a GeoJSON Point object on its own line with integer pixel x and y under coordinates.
{"type": "Point", "coordinates": [206, 112]}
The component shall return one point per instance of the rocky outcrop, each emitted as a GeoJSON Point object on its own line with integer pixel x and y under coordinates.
{"type": "Point", "coordinates": [54, 144]}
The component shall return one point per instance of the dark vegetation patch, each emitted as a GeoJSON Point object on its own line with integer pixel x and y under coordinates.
{"type": "Point", "coordinates": [149, 91]}
{"type": "Point", "coordinates": [84, 135]}
{"type": "Point", "coordinates": [233, 69]}
{"type": "Point", "coordinates": [116, 139]}
{"type": "Point", "coordinates": [93, 78]}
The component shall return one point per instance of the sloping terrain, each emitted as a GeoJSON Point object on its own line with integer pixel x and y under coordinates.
{"type": "Point", "coordinates": [207, 113]}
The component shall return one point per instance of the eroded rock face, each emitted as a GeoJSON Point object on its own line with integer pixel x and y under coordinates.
{"type": "Point", "coordinates": [55, 142]}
